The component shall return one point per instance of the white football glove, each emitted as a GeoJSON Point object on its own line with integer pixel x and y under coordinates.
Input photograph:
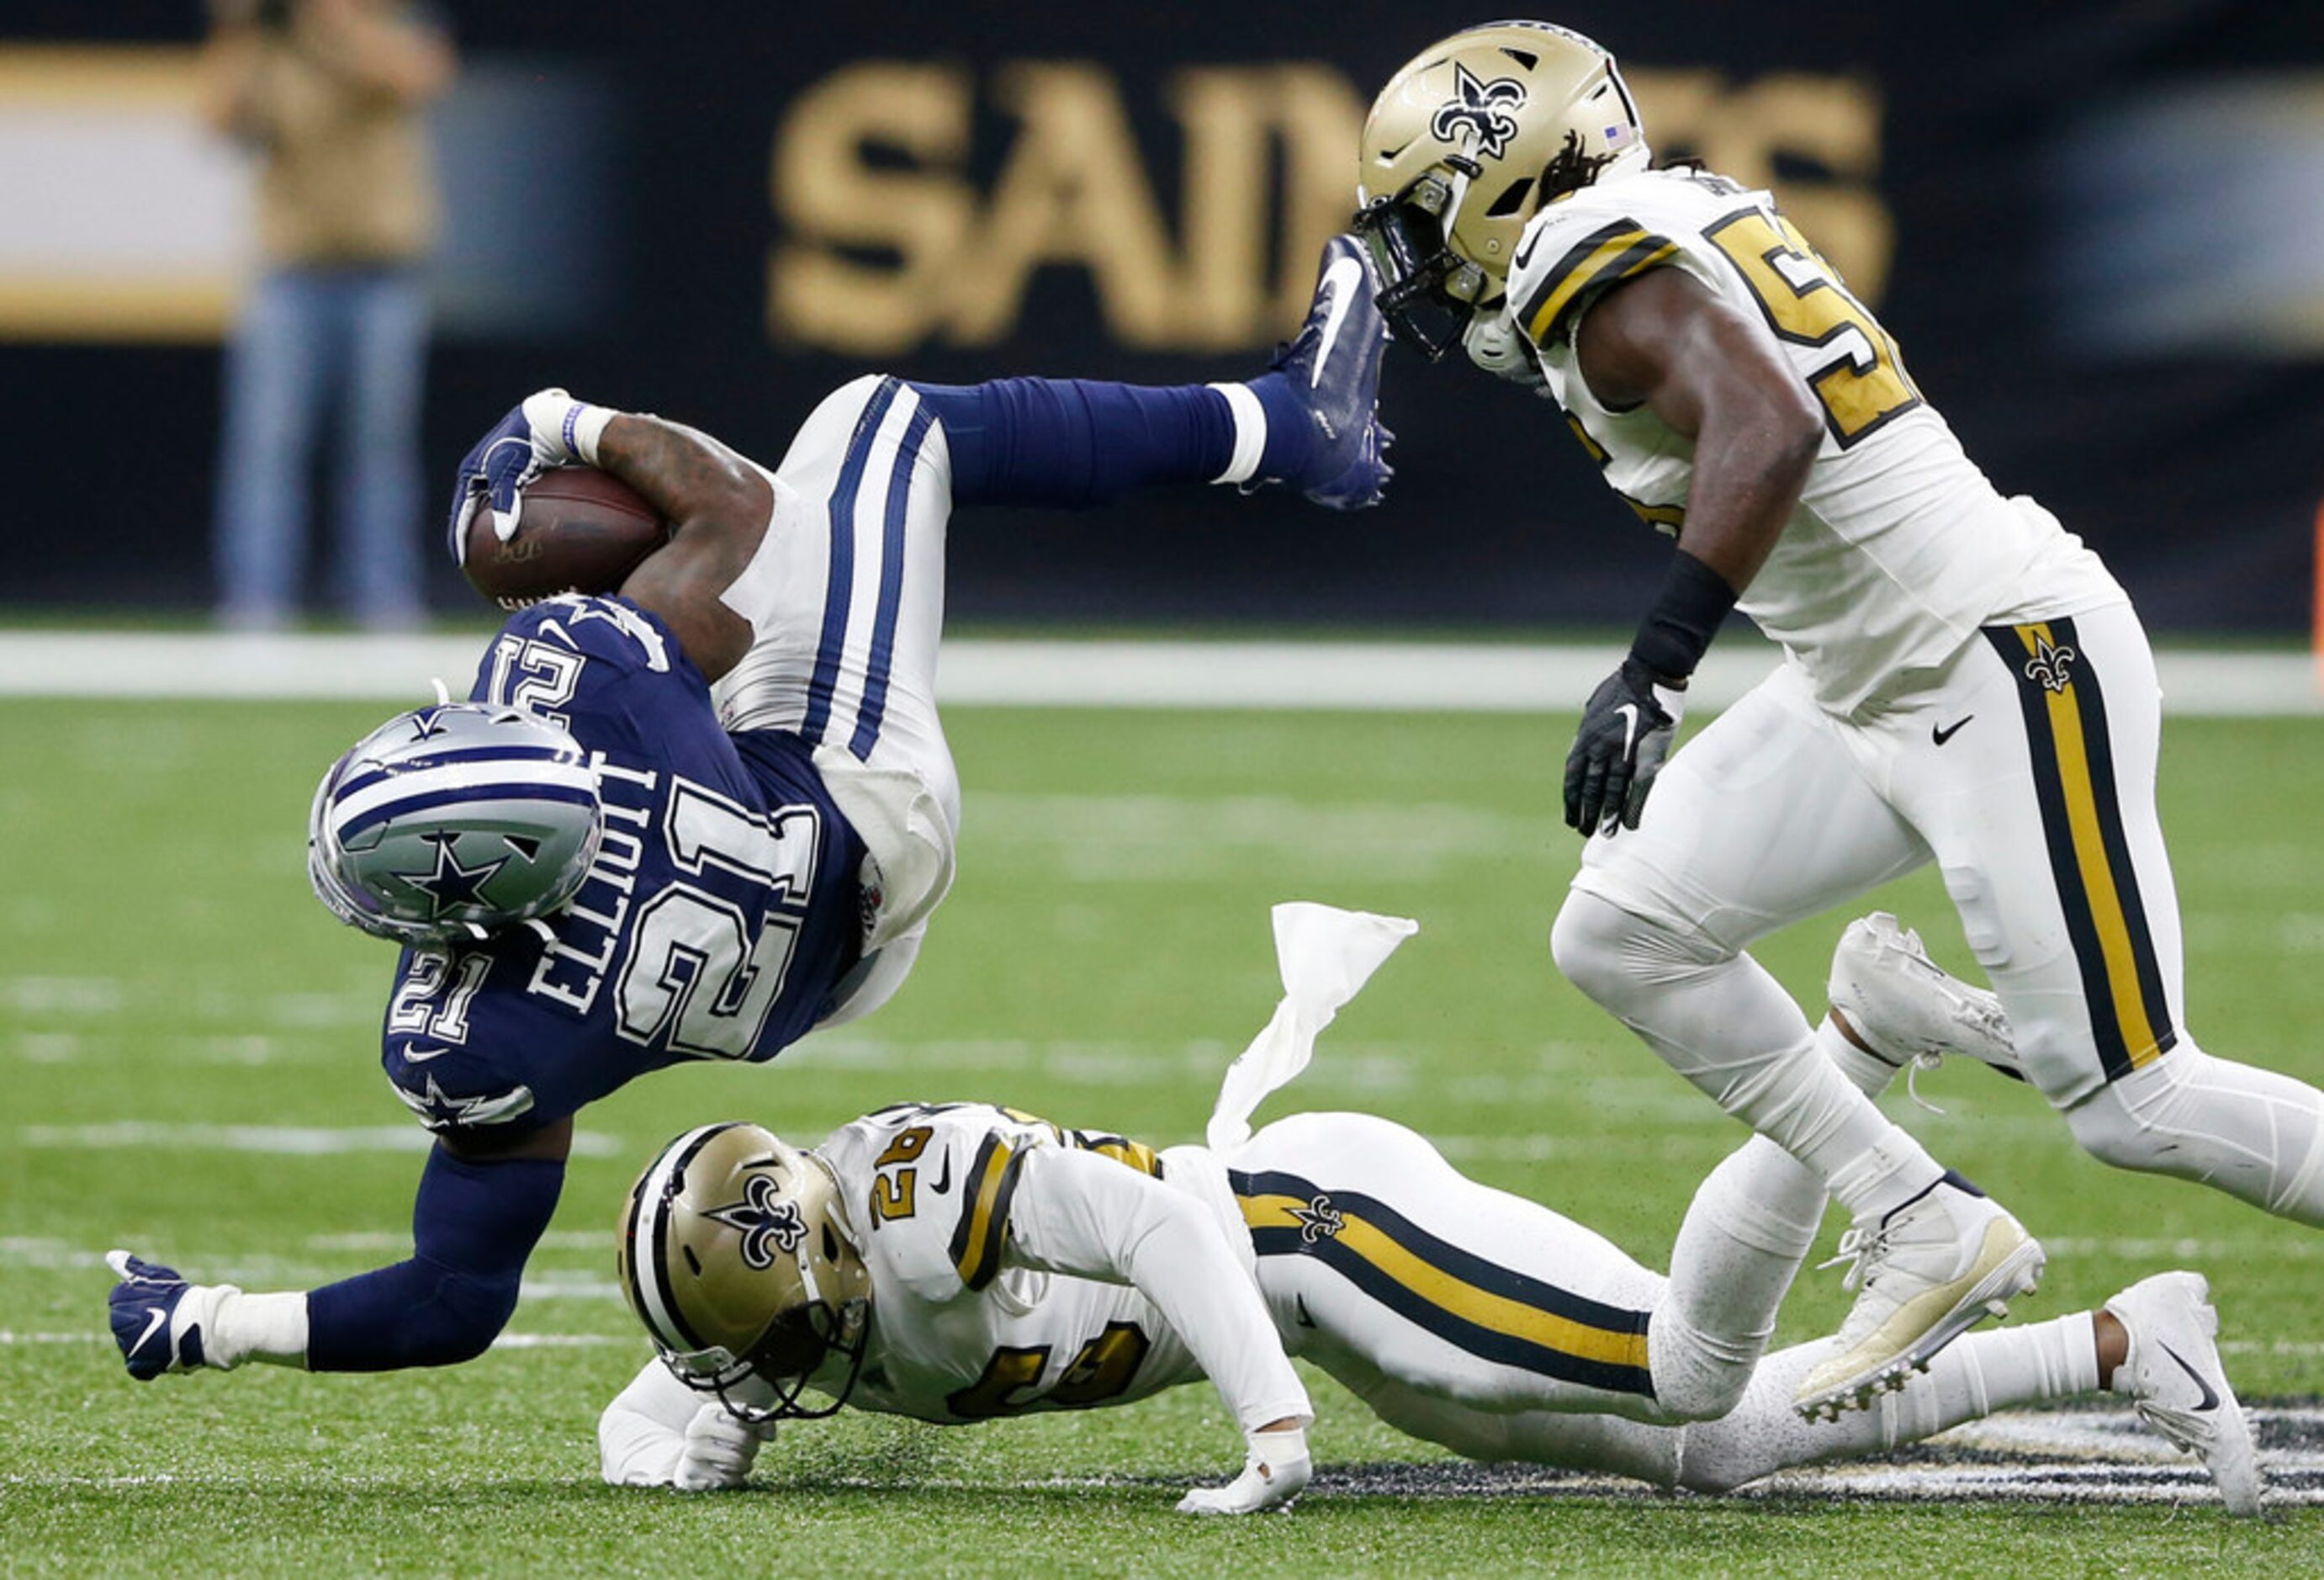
{"type": "Point", "coordinates": [1276, 1471]}
{"type": "Point", "coordinates": [1494, 344]}
{"type": "Point", "coordinates": [720, 1449]}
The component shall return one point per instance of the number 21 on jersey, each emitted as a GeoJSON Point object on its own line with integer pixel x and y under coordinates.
{"type": "Point", "coordinates": [1863, 385]}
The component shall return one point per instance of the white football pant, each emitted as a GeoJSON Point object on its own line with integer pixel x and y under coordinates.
{"type": "Point", "coordinates": [846, 598]}
{"type": "Point", "coordinates": [1384, 1264]}
{"type": "Point", "coordinates": [2025, 771]}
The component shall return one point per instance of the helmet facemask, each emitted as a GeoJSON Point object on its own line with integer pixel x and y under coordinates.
{"type": "Point", "coordinates": [1429, 291]}
{"type": "Point", "coordinates": [735, 1252]}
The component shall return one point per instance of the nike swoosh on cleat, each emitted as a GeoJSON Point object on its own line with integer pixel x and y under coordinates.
{"type": "Point", "coordinates": [159, 1315]}
{"type": "Point", "coordinates": [2210, 1398]}
{"type": "Point", "coordinates": [1340, 280]}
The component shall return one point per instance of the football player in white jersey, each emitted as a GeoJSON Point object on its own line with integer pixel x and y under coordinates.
{"type": "Point", "coordinates": [959, 1261]}
{"type": "Point", "coordinates": [1963, 681]}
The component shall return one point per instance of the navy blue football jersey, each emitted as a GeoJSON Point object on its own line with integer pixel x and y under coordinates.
{"type": "Point", "coordinates": [721, 909]}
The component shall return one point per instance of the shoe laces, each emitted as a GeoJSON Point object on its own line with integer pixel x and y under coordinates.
{"type": "Point", "coordinates": [2175, 1427]}
{"type": "Point", "coordinates": [1926, 1059]}
{"type": "Point", "coordinates": [1864, 1248]}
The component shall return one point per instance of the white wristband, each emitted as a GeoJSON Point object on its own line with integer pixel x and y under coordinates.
{"type": "Point", "coordinates": [584, 425]}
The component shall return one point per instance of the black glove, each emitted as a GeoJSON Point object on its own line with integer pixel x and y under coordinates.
{"type": "Point", "coordinates": [1627, 729]}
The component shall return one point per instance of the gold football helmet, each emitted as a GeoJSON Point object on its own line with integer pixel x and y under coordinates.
{"type": "Point", "coordinates": [734, 1251]}
{"type": "Point", "coordinates": [1464, 146]}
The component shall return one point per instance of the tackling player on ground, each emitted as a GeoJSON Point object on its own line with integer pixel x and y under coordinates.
{"type": "Point", "coordinates": [958, 1262]}
{"type": "Point", "coordinates": [704, 818]}
{"type": "Point", "coordinates": [1964, 683]}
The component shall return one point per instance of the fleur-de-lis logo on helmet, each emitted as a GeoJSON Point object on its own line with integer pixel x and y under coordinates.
{"type": "Point", "coordinates": [1480, 116]}
{"type": "Point", "coordinates": [767, 1225]}
{"type": "Point", "coordinates": [1318, 1220]}
{"type": "Point", "coordinates": [2048, 665]}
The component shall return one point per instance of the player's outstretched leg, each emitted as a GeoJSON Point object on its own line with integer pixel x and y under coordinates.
{"type": "Point", "coordinates": [1309, 423]}
{"type": "Point", "coordinates": [2154, 1344]}
{"type": "Point", "coordinates": [2255, 1133]}
{"type": "Point", "coordinates": [1753, 1219]}
{"type": "Point", "coordinates": [1931, 1254]}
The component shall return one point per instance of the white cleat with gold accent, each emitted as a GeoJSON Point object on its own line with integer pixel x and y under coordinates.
{"type": "Point", "coordinates": [1926, 1273]}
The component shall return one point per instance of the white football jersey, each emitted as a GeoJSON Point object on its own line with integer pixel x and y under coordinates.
{"type": "Point", "coordinates": [963, 1330]}
{"type": "Point", "coordinates": [1900, 549]}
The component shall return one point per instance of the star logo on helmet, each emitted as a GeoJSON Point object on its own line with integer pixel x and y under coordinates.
{"type": "Point", "coordinates": [768, 1224]}
{"type": "Point", "coordinates": [1480, 116]}
{"type": "Point", "coordinates": [451, 884]}
{"type": "Point", "coordinates": [1318, 1220]}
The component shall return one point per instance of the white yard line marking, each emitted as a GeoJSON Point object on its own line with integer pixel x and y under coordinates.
{"type": "Point", "coordinates": [507, 1341]}
{"type": "Point", "coordinates": [1420, 676]}
{"type": "Point", "coordinates": [297, 1141]}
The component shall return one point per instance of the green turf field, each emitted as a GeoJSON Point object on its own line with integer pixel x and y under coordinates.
{"type": "Point", "coordinates": [188, 1055]}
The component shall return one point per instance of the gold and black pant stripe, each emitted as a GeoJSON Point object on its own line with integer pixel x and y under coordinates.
{"type": "Point", "coordinates": [1605, 257]}
{"type": "Point", "coordinates": [1493, 1312]}
{"type": "Point", "coordinates": [2065, 709]}
{"type": "Point", "coordinates": [983, 1226]}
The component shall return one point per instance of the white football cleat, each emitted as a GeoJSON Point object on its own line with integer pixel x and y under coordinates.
{"type": "Point", "coordinates": [2174, 1375]}
{"type": "Point", "coordinates": [1907, 1007]}
{"type": "Point", "coordinates": [1926, 1273]}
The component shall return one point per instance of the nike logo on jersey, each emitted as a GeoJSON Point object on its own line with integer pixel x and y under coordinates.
{"type": "Point", "coordinates": [160, 1314]}
{"type": "Point", "coordinates": [944, 1178]}
{"type": "Point", "coordinates": [1526, 246]}
{"type": "Point", "coordinates": [1941, 733]}
{"type": "Point", "coordinates": [1302, 1319]}
{"type": "Point", "coordinates": [415, 1053]}
{"type": "Point", "coordinates": [2210, 1398]}
{"type": "Point", "coordinates": [1340, 280]}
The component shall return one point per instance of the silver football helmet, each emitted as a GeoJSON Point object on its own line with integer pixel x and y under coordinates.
{"type": "Point", "coordinates": [450, 821]}
{"type": "Point", "coordinates": [735, 1252]}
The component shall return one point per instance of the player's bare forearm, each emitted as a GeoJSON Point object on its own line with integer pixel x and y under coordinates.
{"type": "Point", "coordinates": [1750, 467]}
{"type": "Point", "coordinates": [692, 480]}
{"type": "Point", "coordinates": [717, 505]}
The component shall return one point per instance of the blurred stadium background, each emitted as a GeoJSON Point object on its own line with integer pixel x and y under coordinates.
{"type": "Point", "coordinates": [2098, 231]}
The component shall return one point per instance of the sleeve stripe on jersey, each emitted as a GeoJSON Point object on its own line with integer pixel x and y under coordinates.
{"type": "Point", "coordinates": [1131, 1154]}
{"type": "Point", "coordinates": [983, 1224]}
{"type": "Point", "coordinates": [1604, 257]}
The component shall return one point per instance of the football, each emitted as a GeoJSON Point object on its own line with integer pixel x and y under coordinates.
{"type": "Point", "coordinates": [581, 530]}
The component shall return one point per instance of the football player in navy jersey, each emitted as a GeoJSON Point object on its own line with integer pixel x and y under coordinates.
{"type": "Point", "coordinates": [700, 819]}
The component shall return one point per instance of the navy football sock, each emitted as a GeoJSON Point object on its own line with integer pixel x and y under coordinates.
{"type": "Point", "coordinates": [1291, 436]}
{"type": "Point", "coordinates": [1078, 442]}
